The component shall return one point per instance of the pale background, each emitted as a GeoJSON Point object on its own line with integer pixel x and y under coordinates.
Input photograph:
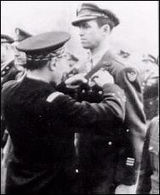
{"type": "Point", "coordinates": [137, 32]}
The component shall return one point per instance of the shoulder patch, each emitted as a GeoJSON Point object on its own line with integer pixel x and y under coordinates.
{"type": "Point", "coordinates": [132, 75]}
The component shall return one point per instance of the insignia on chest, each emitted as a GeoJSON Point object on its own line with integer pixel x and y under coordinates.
{"type": "Point", "coordinates": [131, 76]}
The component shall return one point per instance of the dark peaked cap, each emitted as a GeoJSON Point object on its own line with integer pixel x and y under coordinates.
{"type": "Point", "coordinates": [89, 11]}
{"type": "Point", "coordinates": [43, 43]}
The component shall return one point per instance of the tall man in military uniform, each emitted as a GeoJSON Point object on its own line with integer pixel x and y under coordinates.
{"type": "Point", "coordinates": [103, 175]}
{"type": "Point", "coordinates": [41, 121]}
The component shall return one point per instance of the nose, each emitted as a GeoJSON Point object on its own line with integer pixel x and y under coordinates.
{"type": "Point", "coordinates": [81, 31]}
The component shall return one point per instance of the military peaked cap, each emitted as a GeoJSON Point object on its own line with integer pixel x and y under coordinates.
{"type": "Point", "coordinates": [43, 43]}
{"type": "Point", "coordinates": [89, 11]}
{"type": "Point", "coordinates": [44, 46]}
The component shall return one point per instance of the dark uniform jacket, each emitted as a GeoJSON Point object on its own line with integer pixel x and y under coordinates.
{"type": "Point", "coordinates": [114, 158]}
{"type": "Point", "coordinates": [42, 133]}
{"type": "Point", "coordinates": [149, 177]}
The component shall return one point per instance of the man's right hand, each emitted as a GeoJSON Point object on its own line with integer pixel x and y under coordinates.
{"type": "Point", "coordinates": [102, 77]}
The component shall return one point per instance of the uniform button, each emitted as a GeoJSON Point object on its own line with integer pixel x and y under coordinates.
{"type": "Point", "coordinates": [76, 170]}
{"type": "Point", "coordinates": [127, 130]}
{"type": "Point", "coordinates": [3, 72]}
{"type": "Point", "coordinates": [109, 143]}
{"type": "Point", "coordinates": [100, 92]}
{"type": "Point", "coordinates": [150, 148]}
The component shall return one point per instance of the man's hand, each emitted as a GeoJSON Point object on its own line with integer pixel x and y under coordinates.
{"type": "Point", "coordinates": [102, 77]}
{"type": "Point", "coordinates": [124, 189]}
{"type": "Point", "coordinates": [74, 81]}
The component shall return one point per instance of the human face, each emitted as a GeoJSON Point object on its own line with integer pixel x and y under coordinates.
{"type": "Point", "coordinates": [19, 57]}
{"type": "Point", "coordinates": [3, 53]}
{"type": "Point", "coordinates": [6, 52]}
{"type": "Point", "coordinates": [91, 34]}
{"type": "Point", "coordinates": [61, 67]}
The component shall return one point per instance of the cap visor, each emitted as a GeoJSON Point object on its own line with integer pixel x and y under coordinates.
{"type": "Point", "coordinates": [79, 20]}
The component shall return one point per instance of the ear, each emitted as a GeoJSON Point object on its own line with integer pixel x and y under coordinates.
{"type": "Point", "coordinates": [106, 29]}
{"type": "Point", "coordinates": [52, 64]}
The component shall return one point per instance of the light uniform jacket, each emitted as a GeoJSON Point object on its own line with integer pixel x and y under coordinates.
{"type": "Point", "coordinates": [110, 164]}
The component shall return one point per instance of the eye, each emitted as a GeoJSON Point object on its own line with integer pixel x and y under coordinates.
{"type": "Point", "coordinates": [87, 25]}
{"type": "Point", "coordinates": [84, 26]}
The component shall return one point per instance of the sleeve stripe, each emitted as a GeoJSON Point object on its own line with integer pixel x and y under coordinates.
{"type": "Point", "coordinates": [53, 96]}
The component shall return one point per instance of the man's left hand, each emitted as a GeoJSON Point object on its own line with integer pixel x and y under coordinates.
{"type": "Point", "coordinates": [75, 80]}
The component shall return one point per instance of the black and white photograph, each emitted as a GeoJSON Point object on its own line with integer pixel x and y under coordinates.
{"type": "Point", "coordinates": [79, 97]}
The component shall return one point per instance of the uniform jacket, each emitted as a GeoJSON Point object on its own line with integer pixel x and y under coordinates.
{"type": "Point", "coordinates": [42, 133]}
{"type": "Point", "coordinates": [128, 79]}
{"type": "Point", "coordinates": [104, 156]}
{"type": "Point", "coordinates": [149, 177]}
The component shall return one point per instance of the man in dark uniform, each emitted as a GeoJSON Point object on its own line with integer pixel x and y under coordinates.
{"type": "Point", "coordinates": [11, 68]}
{"type": "Point", "coordinates": [104, 175]}
{"type": "Point", "coordinates": [12, 63]}
{"type": "Point", "coordinates": [41, 121]}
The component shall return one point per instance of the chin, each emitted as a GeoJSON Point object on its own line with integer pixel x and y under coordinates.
{"type": "Point", "coordinates": [86, 46]}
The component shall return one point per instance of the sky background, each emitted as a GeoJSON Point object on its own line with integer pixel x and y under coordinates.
{"type": "Point", "coordinates": [137, 32]}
